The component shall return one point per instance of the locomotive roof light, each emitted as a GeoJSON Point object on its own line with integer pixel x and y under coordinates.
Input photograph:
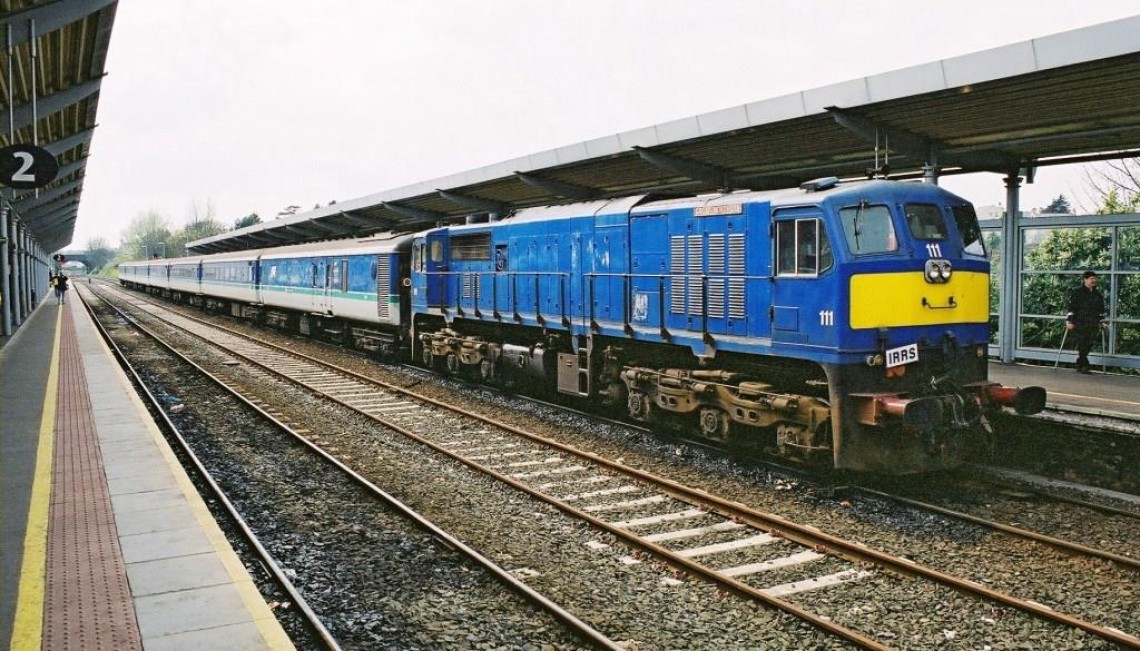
{"type": "Point", "coordinates": [824, 183]}
{"type": "Point", "coordinates": [938, 271]}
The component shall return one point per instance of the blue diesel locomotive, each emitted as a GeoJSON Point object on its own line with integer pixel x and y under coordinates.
{"type": "Point", "coordinates": [848, 322]}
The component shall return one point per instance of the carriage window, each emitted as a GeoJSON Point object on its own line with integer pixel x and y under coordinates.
{"type": "Point", "coordinates": [418, 257]}
{"type": "Point", "coordinates": [969, 230]}
{"type": "Point", "coordinates": [925, 221]}
{"type": "Point", "coordinates": [868, 229]}
{"type": "Point", "coordinates": [802, 248]}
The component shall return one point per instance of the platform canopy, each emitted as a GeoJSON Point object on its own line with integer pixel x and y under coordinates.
{"type": "Point", "coordinates": [53, 108]}
{"type": "Point", "coordinates": [1065, 98]}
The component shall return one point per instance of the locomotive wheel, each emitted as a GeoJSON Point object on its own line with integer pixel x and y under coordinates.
{"type": "Point", "coordinates": [714, 424]}
{"type": "Point", "coordinates": [639, 405]}
{"type": "Point", "coordinates": [427, 357]}
{"type": "Point", "coordinates": [453, 365]}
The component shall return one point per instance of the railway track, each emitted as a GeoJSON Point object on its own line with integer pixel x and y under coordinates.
{"type": "Point", "coordinates": [579, 628]}
{"type": "Point", "coordinates": [662, 519]}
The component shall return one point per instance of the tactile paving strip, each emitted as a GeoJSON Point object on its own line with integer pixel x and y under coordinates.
{"type": "Point", "coordinates": [87, 602]}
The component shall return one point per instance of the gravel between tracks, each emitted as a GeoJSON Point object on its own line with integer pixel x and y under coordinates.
{"type": "Point", "coordinates": [916, 615]}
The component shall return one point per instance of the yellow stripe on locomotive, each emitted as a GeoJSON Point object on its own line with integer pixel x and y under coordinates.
{"type": "Point", "coordinates": [888, 300]}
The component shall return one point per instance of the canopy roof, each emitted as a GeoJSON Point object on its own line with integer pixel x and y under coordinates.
{"type": "Point", "coordinates": [1069, 97]}
{"type": "Point", "coordinates": [71, 39]}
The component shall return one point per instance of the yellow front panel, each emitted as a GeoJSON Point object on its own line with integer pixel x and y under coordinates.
{"type": "Point", "coordinates": [890, 300]}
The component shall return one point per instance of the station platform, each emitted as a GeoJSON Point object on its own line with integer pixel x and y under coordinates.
{"type": "Point", "coordinates": [106, 543]}
{"type": "Point", "coordinates": [1098, 394]}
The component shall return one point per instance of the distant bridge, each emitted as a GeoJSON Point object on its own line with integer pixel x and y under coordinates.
{"type": "Point", "coordinates": [76, 256]}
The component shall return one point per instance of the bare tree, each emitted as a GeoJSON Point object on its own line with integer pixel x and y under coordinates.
{"type": "Point", "coordinates": [1114, 187]}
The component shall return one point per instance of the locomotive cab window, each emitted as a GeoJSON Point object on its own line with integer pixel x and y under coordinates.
{"type": "Point", "coordinates": [418, 257]}
{"type": "Point", "coordinates": [925, 222]}
{"type": "Point", "coordinates": [868, 229]}
{"type": "Point", "coordinates": [802, 248]}
{"type": "Point", "coordinates": [967, 222]}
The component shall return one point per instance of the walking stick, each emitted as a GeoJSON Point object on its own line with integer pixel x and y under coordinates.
{"type": "Point", "coordinates": [1061, 347]}
{"type": "Point", "coordinates": [1103, 351]}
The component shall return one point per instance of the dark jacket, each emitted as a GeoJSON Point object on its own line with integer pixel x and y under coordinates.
{"type": "Point", "coordinates": [1086, 306]}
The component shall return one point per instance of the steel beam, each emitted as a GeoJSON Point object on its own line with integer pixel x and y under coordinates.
{"type": "Point", "coordinates": [52, 16]}
{"type": "Point", "coordinates": [352, 218]}
{"type": "Point", "coordinates": [560, 188]}
{"type": "Point", "coordinates": [714, 175]}
{"type": "Point", "coordinates": [31, 201]}
{"type": "Point", "coordinates": [48, 224]}
{"type": "Point", "coordinates": [305, 230]}
{"type": "Point", "coordinates": [33, 218]}
{"type": "Point", "coordinates": [49, 104]}
{"type": "Point", "coordinates": [919, 147]}
{"type": "Point", "coordinates": [71, 142]}
{"type": "Point", "coordinates": [64, 172]}
{"type": "Point", "coordinates": [363, 223]}
{"type": "Point", "coordinates": [331, 229]}
{"type": "Point", "coordinates": [896, 139]}
{"type": "Point", "coordinates": [414, 213]}
{"type": "Point", "coordinates": [473, 202]}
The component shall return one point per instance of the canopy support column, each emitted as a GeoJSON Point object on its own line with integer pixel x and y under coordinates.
{"type": "Point", "coordinates": [1010, 266]}
{"type": "Point", "coordinates": [5, 271]}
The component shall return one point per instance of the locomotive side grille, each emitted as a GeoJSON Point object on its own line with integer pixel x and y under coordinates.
{"type": "Point", "coordinates": [696, 292]}
{"type": "Point", "coordinates": [716, 255]}
{"type": "Point", "coordinates": [676, 272]}
{"type": "Point", "coordinates": [716, 298]}
{"type": "Point", "coordinates": [383, 282]}
{"type": "Point", "coordinates": [467, 285]}
{"type": "Point", "coordinates": [716, 276]}
{"type": "Point", "coordinates": [736, 268]}
{"type": "Point", "coordinates": [736, 298]}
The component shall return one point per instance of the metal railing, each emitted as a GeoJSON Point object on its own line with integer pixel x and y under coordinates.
{"type": "Point", "coordinates": [1052, 252]}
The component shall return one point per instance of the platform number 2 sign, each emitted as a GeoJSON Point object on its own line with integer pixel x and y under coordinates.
{"type": "Point", "coordinates": [26, 167]}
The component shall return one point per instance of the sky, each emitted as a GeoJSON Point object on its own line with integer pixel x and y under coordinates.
{"type": "Point", "coordinates": [241, 106]}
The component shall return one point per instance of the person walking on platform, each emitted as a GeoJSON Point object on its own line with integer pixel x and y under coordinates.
{"type": "Point", "coordinates": [1086, 317]}
{"type": "Point", "coordinates": [59, 282]}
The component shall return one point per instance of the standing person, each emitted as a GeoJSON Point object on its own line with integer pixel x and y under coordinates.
{"type": "Point", "coordinates": [1086, 316]}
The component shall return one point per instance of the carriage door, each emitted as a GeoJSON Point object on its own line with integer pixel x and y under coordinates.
{"type": "Point", "coordinates": [436, 269]}
{"type": "Point", "coordinates": [649, 272]}
{"type": "Point", "coordinates": [802, 309]}
{"type": "Point", "coordinates": [336, 275]}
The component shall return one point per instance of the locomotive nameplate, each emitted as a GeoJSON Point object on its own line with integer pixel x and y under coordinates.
{"type": "Point", "coordinates": [902, 355]}
{"type": "Point", "coordinates": [720, 209]}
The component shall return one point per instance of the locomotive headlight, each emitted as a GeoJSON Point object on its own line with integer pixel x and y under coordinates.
{"type": "Point", "coordinates": [944, 271]}
{"type": "Point", "coordinates": [938, 271]}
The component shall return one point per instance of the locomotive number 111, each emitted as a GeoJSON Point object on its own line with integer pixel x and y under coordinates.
{"type": "Point", "coordinates": [902, 355]}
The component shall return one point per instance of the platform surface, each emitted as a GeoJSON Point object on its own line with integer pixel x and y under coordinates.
{"type": "Point", "coordinates": [106, 543]}
{"type": "Point", "coordinates": [1099, 393]}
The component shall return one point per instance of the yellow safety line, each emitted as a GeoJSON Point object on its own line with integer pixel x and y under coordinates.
{"type": "Point", "coordinates": [27, 631]}
{"type": "Point", "coordinates": [1094, 398]}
